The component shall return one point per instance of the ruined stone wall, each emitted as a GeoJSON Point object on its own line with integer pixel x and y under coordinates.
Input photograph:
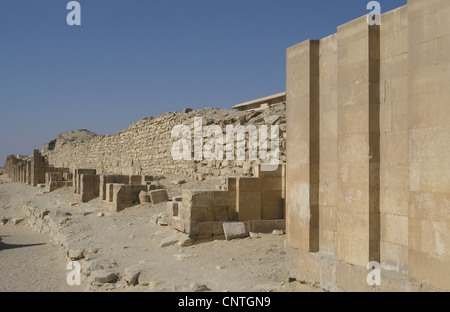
{"type": "Point", "coordinates": [368, 174]}
{"type": "Point", "coordinates": [145, 147]}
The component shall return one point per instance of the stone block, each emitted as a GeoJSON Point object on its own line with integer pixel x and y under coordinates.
{"type": "Point", "coordinates": [269, 174]}
{"type": "Point", "coordinates": [172, 208]}
{"type": "Point", "coordinates": [394, 229]}
{"type": "Point", "coordinates": [233, 230]}
{"type": "Point", "coordinates": [394, 257]}
{"type": "Point", "coordinates": [146, 178]}
{"type": "Point", "coordinates": [144, 197]}
{"type": "Point", "coordinates": [109, 178]}
{"type": "Point", "coordinates": [429, 269]}
{"type": "Point", "coordinates": [89, 187]}
{"type": "Point", "coordinates": [135, 180]}
{"type": "Point", "coordinates": [190, 227]}
{"type": "Point", "coordinates": [267, 226]}
{"type": "Point", "coordinates": [210, 228]}
{"type": "Point", "coordinates": [272, 205]}
{"type": "Point", "coordinates": [272, 184]}
{"type": "Point", "coordinates": [125, 196]}
{"type": "Point", "coordinates": [248, 184]}
{"type": "Point", "coordinates": [328, 242]}
{"type": "Point", "coordinates": [249, 205]}
{"type": "Point", "coordinates": [178, 224]}
{"type": "Point", "coordinates": [77, 175]}
{"type": "Point", "coordinates": [159, 196]}
{"type": "Point", "coordinates": [230, 183]}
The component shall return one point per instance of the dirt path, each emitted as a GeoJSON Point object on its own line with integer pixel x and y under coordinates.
{"type": "Point", "coordinates": [28, 262]}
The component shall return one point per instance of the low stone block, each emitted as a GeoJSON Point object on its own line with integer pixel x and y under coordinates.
{"type": "Point", "coordinates": [159, 196]}
{"type": "Point", "coordinates": [146, 179]}
{"type": "Point", "coordinates": [248, 184]}
{"type": "Point", "coordinates": [135, 180]}
{"type": "Point", "coordinates": [89, 187]}
{"type": "Point", "coordinates": [125, 196]}
{"type": "Point", "coordinates": [178, 224]}
{"type": "Point", "coordinates": [233, 230]}
{"type": "Point", "coordinates": [144, 197]}
{"type": "Point", "coordinates": [172, 208]}
{"type": "Point", "coordinates": [210, 228]}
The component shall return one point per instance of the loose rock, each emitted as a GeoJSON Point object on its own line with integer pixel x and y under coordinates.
{"type": "Point", "coordinates": [16, 220]}
{"type": "Point", "coordinates": [254, 235]}
{"type": "Point", "coordinates": [178, 182]}
{"type": "Point", "coordinates": [75, 254]}
{"type": "Point", "coordinates": [170, 240]}
{"type": "Point", "coordinates": [132, 275]}
{"type": "Point", "coordinates": [103, 277]}
{"type": "Point", "coordinates": [198, 287]}
{"type": "Point", "coordinates": [234, 230]}
{"type": "Point", "coordinates": [185, 242]}
{"type": "Point", "coordinates": [181, 257]}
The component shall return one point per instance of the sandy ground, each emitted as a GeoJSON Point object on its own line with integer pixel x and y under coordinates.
{"type": "Point", "coordinates": [28, 262]}
{"type": "Point", "coordinates": [119, 242]}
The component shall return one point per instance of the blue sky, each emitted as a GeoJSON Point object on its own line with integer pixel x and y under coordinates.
{"type": "Point", "coordinates": [132, 59]}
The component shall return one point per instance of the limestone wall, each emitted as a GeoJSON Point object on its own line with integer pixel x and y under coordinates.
{"type": "Point", "coordinates": [429, 134]}
{"type": "Point", "coordinates": [368, 174]}
{"type": "Point", "coordinates": [145, 147]}
{"type": "Point", "coordinates": [394, 168]}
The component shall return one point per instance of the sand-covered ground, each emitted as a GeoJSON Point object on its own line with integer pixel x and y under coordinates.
{"type": "Point", "coordinates": [127, 243]}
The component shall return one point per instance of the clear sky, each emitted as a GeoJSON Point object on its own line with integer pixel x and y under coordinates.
{"type": "Point", "coordinates": [132, 59]}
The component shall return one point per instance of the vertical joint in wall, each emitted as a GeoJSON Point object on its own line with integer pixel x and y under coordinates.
{"type": "Point", "coordinates": [374, 143]}
{"type": "Point", "coordinates": [314, 147]}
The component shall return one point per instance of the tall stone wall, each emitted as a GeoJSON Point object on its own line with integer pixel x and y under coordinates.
{"type": "Point", "coordinates": [368, 174]}
{"type": "Point", "coordinates": [145, 147]}
{"type": "Point", "coordinates": [429, 137]}
{"type": "Point", "coordinates": [394, 169]}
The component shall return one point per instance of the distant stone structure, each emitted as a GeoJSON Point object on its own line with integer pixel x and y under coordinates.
{"type": "Point", "coordinates": [145, 147]}
{"type": "Point", "coordinates": [262, 103]}
{"type": "Point", "coordinates": [258, 202]}
{"type": "Point", "coordinates": [35, 170]}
